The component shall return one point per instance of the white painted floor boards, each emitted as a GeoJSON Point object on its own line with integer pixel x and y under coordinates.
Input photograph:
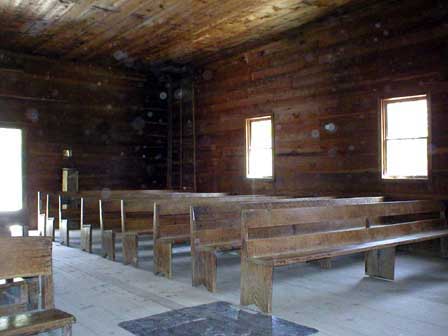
{"type": "Point", "coordinates": [338, 302]}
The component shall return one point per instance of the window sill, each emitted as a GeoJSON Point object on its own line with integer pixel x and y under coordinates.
{"type": "Point", "coordinates": [405, 179]}
{"type": "Point", "coordinates": [261, 179]}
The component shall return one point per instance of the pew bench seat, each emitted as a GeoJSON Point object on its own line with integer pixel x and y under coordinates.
{"type": "Point", "coordinates": [32, 323]}
{"type": "Point", "coordinates": [319, 254]}
{"type": "Point", "coordinates": [220, 246]}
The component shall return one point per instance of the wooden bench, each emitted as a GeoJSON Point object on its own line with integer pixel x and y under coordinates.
{"type": "Point", "coordinates": [216, 228]}
{"type": "Point", "coordinates": [30, 257]}
{"type": "Point", "coordinates": [172, 226]}
{"type": "Point", "coordinates": [90, 212]}
{"type": "Point", "coordinates": [48, 204]}
{"type": "Point", "coordinates": [131, 218]}
{"type": "Point", "coordinates": [262, 250]}
{"type": "Point", "coordinates": [84, 206]}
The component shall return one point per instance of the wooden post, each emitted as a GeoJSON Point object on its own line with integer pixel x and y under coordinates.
{"type": "Point", "coordinates": [381, 263]}
{"type": "Point", "coordinates": [47, 292]}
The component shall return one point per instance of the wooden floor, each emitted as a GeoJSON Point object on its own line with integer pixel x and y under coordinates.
{"type": "Point", "coordinates": [340, 301]}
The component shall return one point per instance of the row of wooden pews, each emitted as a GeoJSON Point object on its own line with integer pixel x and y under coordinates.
{"type": "Point", "coordinates": [267, 231]}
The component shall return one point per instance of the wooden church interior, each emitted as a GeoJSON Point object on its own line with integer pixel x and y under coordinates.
{"type": "Point", "coordinates": [288, 158]}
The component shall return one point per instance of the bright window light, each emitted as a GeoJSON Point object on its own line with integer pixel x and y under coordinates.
{"type": "Point", "coordinates": [16, 230]}
{"type": "Point", "coordinates": [11, 169]}
{"type": "Point", "coordinates": [259, 147]}
{"type": "Point", "coordinates": [405, 132]}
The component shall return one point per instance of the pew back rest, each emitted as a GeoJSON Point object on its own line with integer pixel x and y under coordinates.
{"type": "Point", "coordinates": [110, 214]}
{"type": "Point", "coordinates": [173, 218]}
{"type": "Point", "coordinates": [221, 223]}
{"type": "Point", "coordinates": [137, 213]}
{"type": "Point", "coordinates": [257, 225]}
{"type": "Point", "coordinates": [52, 206]}
{"type": "Point", "coordinates": [25, 257]}
{"type": "Point", "coordinates": [90, 213]}
{"type": "Point", "coordinates": [69, 208]}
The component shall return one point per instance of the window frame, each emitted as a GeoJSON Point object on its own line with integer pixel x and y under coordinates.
{"type": "Point", "coordinates": [22, 128]}
{"type": "Point", "coordinates": [248, 127]}
{"type": "Point", "coordinates": [383, 138]}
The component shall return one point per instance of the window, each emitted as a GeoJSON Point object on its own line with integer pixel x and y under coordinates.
{"type": "Point", "coordinates": [259, 148]}
{"type": "Point", "coordinates": [405, 138]}
{"type": "Point", "coordinates": [10, 169]}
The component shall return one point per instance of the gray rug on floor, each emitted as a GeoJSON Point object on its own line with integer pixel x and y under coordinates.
{"type": "Point", "coordinates": [214, 319]}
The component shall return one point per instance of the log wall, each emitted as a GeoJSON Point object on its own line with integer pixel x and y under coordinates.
{"type": "Point", "coordinates": [114, 122]}
{"type": "Point", "coordinates": [333, 71]}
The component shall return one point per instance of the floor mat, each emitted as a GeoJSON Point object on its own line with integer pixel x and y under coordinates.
{"type": "Point", "coordinates": [218, 318]}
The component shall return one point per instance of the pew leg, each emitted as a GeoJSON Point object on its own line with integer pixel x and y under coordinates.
{"type": "Point", "coordinates": [204, 270]}
{"type": "Point", "coordinates": [444, 247]}
{"type": "Point", "coordinates": [162, 259]}
{"type": "Point", "coordinates": [67, 330]}
{"type": "Point", "coordinates": [130, 249]}
{"type": "Point", "coordinates": [256, 286]}
{"type": "Point", "coordinates": [86, 238]}
{"type": "Point", "coordinates": [381, 263]}
{"type": "Point", "coordinates": [63, 232]}
{"type": "Point", "coordinates": [108, 244]}
{"type": "Point", "coordinates": [325, 263]}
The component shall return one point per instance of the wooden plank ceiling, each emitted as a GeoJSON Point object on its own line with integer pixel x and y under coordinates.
{"type": "Point", "coordinates": [145, 31]}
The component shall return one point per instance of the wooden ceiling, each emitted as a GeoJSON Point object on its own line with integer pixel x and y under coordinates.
{"type": "Point", "coordinates": [145, 31]}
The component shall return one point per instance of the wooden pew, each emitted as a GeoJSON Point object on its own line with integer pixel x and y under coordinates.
{"type": "Point", "coordinates": [48, 205]}
{"type": "Point", "coordinates": [216, 228]}
{"type": "Point", "coordinates": [31, 257]}
{"type": "Point", "coordinates": [116, 217]}
{"type": "Point", "coordinates": [90, 214]}
{"type": "Point", "coordinates": [262, 250]}
{"type": "Point", "coordinates": [172, 226]}
{"type": "Point", "coordinates": [75, 212]}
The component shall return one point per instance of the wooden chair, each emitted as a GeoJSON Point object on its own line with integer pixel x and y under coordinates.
{"type": "Point", "coordinates": [216, 228]}
{"type": "Point", "coordinates": [29, 257]}
{"type": "Point", "coordinates": [262, 250]}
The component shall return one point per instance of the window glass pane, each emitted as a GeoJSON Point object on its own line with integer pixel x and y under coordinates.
{"type": "Point", "coordinates": [10, 169]}
{"type": "Point", "coordinates": [407, 158]}
{"type": "Point", "coordinates": [408, 119]}
{"type": "Point", "coordinates": [260, 163]}
{"type": "Point", "coordinates": [260, 149]}
{"type": "Point", "coordinates": [261, 134]}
